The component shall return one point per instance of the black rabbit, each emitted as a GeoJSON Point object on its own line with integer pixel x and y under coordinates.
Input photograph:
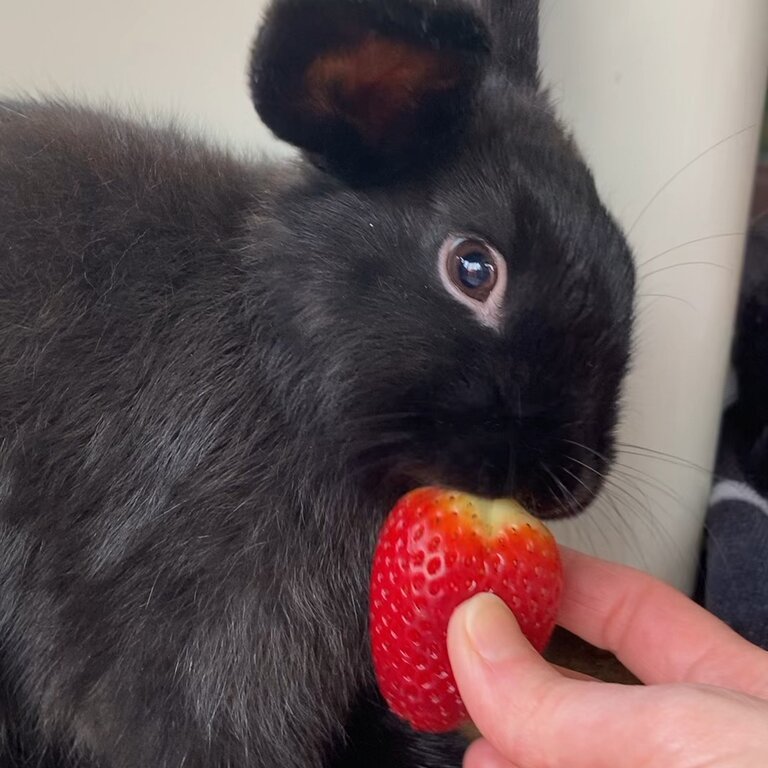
{"type": "Point", "coordinates": [216, 378]}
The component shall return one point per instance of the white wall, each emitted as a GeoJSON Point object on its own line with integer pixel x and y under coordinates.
{"type": "Point", "coordinates": [648, 86]}
{"type": "Point", "coordinates": [175, 57]}
{"type": "Point", "coordinates": [665, 98]}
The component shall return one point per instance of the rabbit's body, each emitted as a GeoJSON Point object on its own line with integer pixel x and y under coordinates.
{"type": "Point", "coordinates": [216, 378]}
{"type": "Point", "coordinates": [134, 398]}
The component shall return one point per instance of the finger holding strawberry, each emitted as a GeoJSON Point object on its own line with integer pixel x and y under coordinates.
{"type": "Point", "coordinates": [704, 698]}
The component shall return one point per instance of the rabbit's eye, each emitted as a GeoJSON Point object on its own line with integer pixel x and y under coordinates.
{"type": "Point", "coordinates": [472, 268]}
{"type": "Point", "coordinates": [475, 274]}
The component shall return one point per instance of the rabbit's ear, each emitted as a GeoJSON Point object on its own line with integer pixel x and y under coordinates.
{"type": "Point", "coordinates": [515, 28]}
{"type": "Point", "coordinates": [368, 85]}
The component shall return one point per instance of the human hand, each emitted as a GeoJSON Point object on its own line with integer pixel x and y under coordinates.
{"type": "Point", "coordinates": [704, 702]}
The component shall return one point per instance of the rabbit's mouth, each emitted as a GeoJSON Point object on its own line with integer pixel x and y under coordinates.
{"type": "Point", "coordinates": [545, 495]}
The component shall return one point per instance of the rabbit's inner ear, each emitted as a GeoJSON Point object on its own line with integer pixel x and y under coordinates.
{"type": "Point", "coordinates": [376, 85]}
{"type": "Point", "coordinates": [368, 86]}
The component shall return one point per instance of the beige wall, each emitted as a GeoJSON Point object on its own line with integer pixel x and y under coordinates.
{"type": "Point", "coordinates": [665, 99]}
{"type": "Point", "coordinates": [648, 85]}
{"type": "Point", "coordinates": [175, 57]}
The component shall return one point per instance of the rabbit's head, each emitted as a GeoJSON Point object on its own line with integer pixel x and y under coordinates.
{"type": "Point", "coordinates": [443, 258]}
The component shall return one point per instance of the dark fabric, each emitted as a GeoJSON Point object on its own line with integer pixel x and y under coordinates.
{"type": "Point", "coordinates": [736, 586]}
{"type": "Point", "coordinates": [735, 580]}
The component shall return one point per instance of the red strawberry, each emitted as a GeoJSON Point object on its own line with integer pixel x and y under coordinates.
{"type": "Point", "coordinates": [437, 549]}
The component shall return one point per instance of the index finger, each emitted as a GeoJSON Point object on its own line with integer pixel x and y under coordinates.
{"type": "Point", "coordinates": [654, 630]}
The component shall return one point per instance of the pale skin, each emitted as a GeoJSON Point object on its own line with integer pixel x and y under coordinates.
{"type": "Point", "coordinates": [704, 702]}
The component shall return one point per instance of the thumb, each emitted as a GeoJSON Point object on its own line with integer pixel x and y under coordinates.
{"type": "Point", "coordinates": [531, 714]}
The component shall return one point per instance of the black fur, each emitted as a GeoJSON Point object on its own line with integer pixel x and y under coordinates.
{"type": "Point", "coordinates": [514, 27]}
{"type": "Point", "coordinates": [216, 378]}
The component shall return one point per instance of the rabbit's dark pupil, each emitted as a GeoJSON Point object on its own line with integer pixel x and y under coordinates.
{"type": "Point", "coordinates": [475, 271]}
